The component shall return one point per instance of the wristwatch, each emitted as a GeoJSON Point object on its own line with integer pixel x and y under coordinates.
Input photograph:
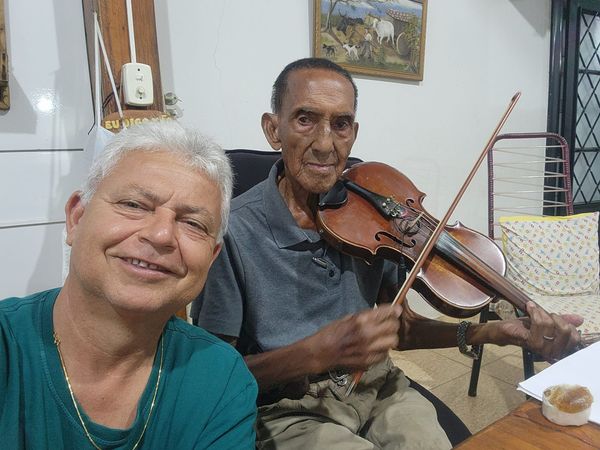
{"type": "Point", "coordinates": [461, 339]}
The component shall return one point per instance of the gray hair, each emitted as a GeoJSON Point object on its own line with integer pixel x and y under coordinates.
{"type": "Point", "coordinates": [197, 150]}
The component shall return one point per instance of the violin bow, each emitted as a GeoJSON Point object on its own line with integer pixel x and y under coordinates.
{"type": "Point", "coordinates": [442, 223]}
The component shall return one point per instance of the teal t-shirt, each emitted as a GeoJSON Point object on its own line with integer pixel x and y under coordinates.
{"type": "Point", "coordinates": [206, 397]}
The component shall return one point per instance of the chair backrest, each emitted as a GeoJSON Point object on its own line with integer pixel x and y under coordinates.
{"type": "Point", "coordinates": [250, 167]}
{"type": "Point", "coordinates": [528, 174]}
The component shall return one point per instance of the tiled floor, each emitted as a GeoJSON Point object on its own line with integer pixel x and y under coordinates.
{"type": "Point", "coordinates": [446, 374]}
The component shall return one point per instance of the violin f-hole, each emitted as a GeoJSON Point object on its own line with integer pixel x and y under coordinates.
{"type": "Point", "coordinates": [395, 239]}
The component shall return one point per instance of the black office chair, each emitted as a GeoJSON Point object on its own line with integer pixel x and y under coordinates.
{"type": "Point", "coordinates": [251, 167]}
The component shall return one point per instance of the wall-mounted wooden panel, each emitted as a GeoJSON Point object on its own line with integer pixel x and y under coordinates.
{"type": "Point", "coordinates": [112, 15]}
{"type": "Point", "coordinates": [4, 92]}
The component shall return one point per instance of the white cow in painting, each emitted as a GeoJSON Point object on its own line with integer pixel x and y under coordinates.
{"type": "Point", "coordinates": [384, 30]}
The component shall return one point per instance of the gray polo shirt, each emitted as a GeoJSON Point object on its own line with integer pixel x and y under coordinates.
{"type": "Point", "coordinates": [275, 283]}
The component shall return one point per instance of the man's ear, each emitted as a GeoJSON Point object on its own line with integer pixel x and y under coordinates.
{"type": "Point", "coordinates": [216, 252]}
{"type": "Point", "coordinates": [73, 212]}
{"type": "Point", "coordinates": [355, 130]}
{"type": "Point", "coordinates": [270, 126]}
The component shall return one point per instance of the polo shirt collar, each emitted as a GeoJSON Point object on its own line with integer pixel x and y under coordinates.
{"type": "Point", "coordinates": [284, 228]}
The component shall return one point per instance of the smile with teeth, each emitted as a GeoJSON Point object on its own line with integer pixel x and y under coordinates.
{"type": "Point", "coordinates": [144, 264]}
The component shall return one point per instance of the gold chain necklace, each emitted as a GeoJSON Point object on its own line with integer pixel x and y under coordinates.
{"type": "Point", "coordinates": [87, 433]}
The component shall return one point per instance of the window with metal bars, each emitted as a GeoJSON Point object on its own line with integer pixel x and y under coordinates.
{"type": "Point", "coordinates": [574, 97]}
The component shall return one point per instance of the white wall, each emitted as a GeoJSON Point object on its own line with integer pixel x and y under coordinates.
{"type": "Point", "coordinates": [41, 139]}
{"type": "Point", "coordinates": [222, 57]}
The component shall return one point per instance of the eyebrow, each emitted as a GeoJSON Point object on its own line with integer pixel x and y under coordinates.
{"type": "Point", "coordinates": [148, 195]}
{"type": "Point", "coordinates": [180, 208]}
{"type": "Point", "coordinates": [305, 110]}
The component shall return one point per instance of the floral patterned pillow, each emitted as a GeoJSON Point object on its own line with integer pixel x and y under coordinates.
{"type": "Point", "coordinates": [552, 255]}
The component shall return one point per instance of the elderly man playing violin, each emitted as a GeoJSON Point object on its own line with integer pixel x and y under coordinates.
{"type": "Point", "coordinates": [102, 362]}
{"type": "Point", "coordinates": [302, 313]}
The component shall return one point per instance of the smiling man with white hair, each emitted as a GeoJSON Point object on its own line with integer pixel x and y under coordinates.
{"type": "Point", "coordinates": [102, 362]}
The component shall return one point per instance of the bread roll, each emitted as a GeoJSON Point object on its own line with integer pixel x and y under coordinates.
{"type": "Point", "coordinates": [567, 404]}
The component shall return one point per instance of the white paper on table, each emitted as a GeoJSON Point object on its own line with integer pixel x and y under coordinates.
{"type": "Point", "coordinates": [582, 367]}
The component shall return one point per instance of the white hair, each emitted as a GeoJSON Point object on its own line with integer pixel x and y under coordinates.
{"type": "Point", "coordinates": [197, 150]}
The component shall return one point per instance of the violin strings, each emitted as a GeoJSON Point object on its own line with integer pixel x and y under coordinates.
{"type": "Point", "coordinates": [430, 225]}
{"type": "Point", "coordinates": [427, 219]}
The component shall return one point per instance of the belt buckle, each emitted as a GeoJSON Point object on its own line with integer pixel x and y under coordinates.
{"type": "Point", "coordinates": [338, 377]}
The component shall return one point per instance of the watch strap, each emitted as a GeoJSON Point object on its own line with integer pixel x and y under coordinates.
{"type": "Point", "coordinates": [461, 340]}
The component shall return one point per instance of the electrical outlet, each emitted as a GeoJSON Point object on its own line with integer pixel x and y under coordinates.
{"type": "Point", "coordinates": [136, 84]}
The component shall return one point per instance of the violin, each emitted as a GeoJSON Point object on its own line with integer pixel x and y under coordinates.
{"type": "Point", "coordinates": [376, 211]}
{"type": "Point", "coordinates": [457, 270]}
{"type": "Point", "coordinates": [481, 274]}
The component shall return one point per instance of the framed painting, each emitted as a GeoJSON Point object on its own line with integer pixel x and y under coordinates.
{"type": "Point", "coordinates": [382, 38]}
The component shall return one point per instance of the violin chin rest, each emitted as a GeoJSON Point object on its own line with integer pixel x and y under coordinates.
{"type": "Point", "coordinates": [337, 196]}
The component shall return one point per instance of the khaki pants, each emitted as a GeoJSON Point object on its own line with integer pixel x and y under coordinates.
{"type": "Point", "coordinates": [383, 412]}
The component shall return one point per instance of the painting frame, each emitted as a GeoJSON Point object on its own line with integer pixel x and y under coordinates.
{"type": "Point", "coordinates": [386, 42]}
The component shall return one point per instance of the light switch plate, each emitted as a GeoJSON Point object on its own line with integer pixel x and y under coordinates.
{"type": "Point", "coordinates": [136, 84]}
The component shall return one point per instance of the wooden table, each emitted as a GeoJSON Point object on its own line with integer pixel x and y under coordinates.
{"type": "Point", "coordinates": [526, 428]}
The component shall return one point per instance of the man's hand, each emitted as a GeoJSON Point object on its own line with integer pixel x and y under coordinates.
{"type": "Point", "coordinates": [359, 340]}
{"type": "Point", "coordinates": [354, 342]}
{"type": "Point", "coordinates": [552, 336]}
